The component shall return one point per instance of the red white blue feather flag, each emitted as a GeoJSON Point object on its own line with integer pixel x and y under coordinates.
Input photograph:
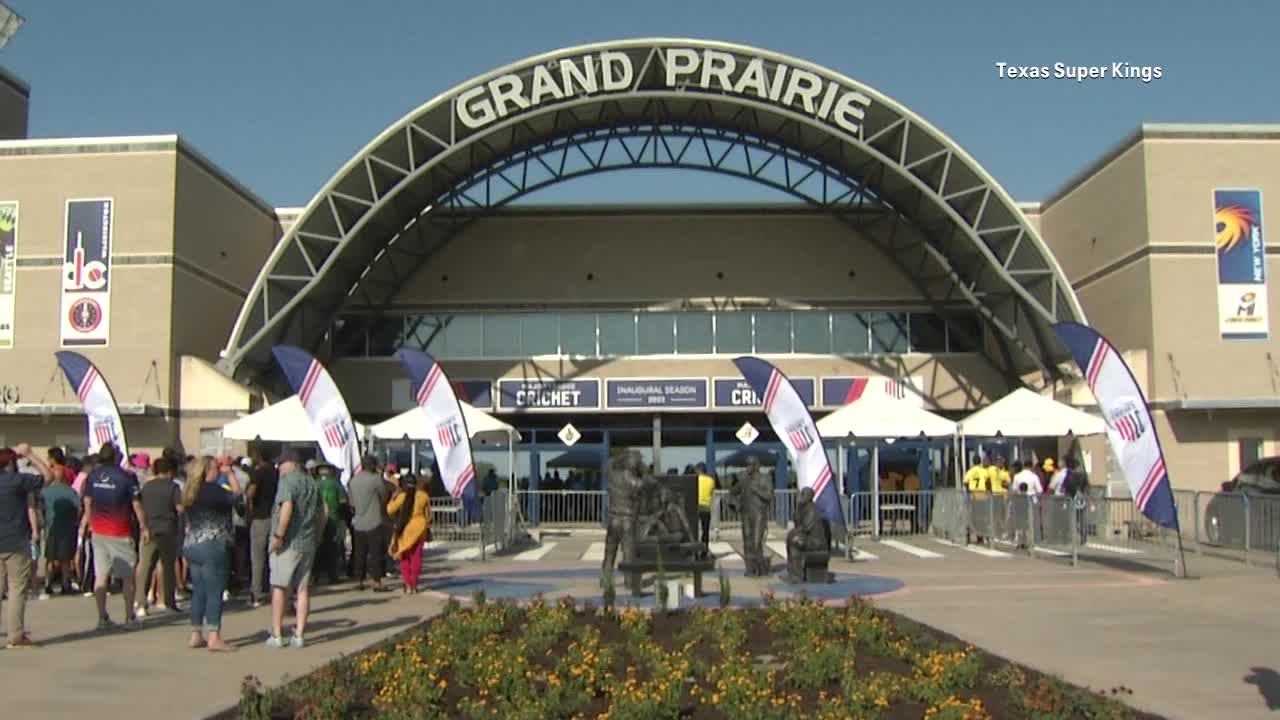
{"type": "Point", "coordinates": [450, 439]}
{"type": "Point", "coordinates": [99, 404]}
{"type": "Point", "coordinates": [1129, 425]}
{"type": "Point", "coordinates": [794, 426]}
{"type": "Point", "coordinates": [325, 407]}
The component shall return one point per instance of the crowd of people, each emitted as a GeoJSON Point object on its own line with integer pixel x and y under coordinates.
{"type": "Point", "coordinates": [993, 477]}
{"type": "Point", "coordinates": [201, 529]}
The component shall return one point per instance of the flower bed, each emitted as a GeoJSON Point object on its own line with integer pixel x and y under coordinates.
{"type": "Point", "coordinates": [785, 659]}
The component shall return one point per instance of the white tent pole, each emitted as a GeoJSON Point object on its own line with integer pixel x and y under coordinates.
{"type": "Point", "coordinates": [840, 467]}
{"type": "Point", "coordinates": [875, 488]}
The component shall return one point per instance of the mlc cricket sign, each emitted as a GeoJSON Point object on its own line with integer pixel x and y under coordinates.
{"type": "Point", "coordinates": [679, 68]}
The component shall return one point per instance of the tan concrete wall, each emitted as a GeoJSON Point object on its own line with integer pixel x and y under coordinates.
{"type": "Point", "coordinates": [1099, 222]}
{"type": "Point", "coordinates": [142, 187]}
{"type": "Point", "coordinates": [953, 382]}
{"type": "Point", "coordinates": [145, 434]}
{"type": "Point", "coordinates": [654, 257]}
{"type": "Point", "coordinates": [221, 239]}
{"type": "Point", "coordinates": [1182, 175]}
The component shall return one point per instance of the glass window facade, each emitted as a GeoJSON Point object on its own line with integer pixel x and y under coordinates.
{"type": "Point", "coordinates": [656, 333]}
{"type": "Point", "coordinates": [514, 335]}
{"type": "Point", "coordinates": [694, 333]}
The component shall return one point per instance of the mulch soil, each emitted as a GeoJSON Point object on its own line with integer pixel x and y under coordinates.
{"type": "Point", "coordinates": [671, 631]}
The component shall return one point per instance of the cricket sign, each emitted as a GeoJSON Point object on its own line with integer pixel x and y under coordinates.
{"type": "Point", "coordinates": [86, 273]}
{"type": "Point", "coordinates": [701, 69]}
{"type": "Point", "coordinates": [8, 270]}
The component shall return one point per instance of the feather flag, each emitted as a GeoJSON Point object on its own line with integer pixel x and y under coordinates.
{"type": "Point", "coordinates": [99, 404]}
{"type": "Point", "coordinates": [325, 407]}
{"type": "Point", "coordinates": [450, 440]}
{"type": "Point", "coordinates": [794, 425]}
{"type": "Point", "coordinates": [1129, 425]}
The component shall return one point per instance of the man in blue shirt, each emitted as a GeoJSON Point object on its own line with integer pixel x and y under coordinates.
{"type": "Point", "coordinates": [110, 495]}
{"type": "Point", "coordinates": [17, 536]}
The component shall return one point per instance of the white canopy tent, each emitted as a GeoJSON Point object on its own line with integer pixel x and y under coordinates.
{"type": "Point", "coordinates": [884, 418]}
{"type": "Point", "coordinates": [285, 421]}
{"type": "Point", "coordinates": [412, 425]}
{"type": "Point", "coordinates": [1023, 413]}
{"type": "Point", "coordinates": [881, 418]}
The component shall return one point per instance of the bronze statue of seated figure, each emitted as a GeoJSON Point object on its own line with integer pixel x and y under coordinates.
{"type": "Point", "coordinates": [808, 546]}
{"type": "Point", "coordinates": [664, 540]}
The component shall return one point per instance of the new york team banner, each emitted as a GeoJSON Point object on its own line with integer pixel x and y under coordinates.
{"type": "Point", "coordinates": [450, 439]}
{"type": "Point", "coordinates": [8, 270]}
{"type": "Point", "coordinates": [1130, 429]}
{"type": "Point", "coordinates": [1242, 264]}
{"type": "Point", "coordinates": [86, 274]}
{"type": "Point", "coordinates": [99, 404]}
{"type": "Point", "coordinates": [325, 406]}
{"type": "Point", "coordinates": [794, 425]}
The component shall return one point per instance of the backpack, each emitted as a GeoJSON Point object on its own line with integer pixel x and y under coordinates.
{"type": "Point", "coordinates": [1075, 483]}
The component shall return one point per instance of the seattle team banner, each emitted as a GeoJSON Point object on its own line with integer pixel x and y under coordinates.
{"type": "Point", "coordinates": [1242, 264]}
{"type": "Point", "coordinates": [450, 440]}
{"type": "Point", "coordinates": [8, 270]}
{"type": "Point", "coordinates": [794, 425]}
{"type": "Point", "coordinates": [86, 274]}
{"type": "Point", "coordinates": [325, 406]}
{"type": "Point", "coordinates": [99, 404]}
{"type": "Point", "coordinates": [1130, 429]}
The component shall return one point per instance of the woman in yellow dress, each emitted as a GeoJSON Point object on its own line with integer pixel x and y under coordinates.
{"type": "Point", "coordinates": [411, 509]}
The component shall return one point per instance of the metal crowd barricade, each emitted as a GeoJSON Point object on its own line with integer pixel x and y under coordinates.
{"type": "Point", "coordinates": [563, 508]}
{"type": "Point", "coordinates": [450, 521]}
{"type": "Point", "coordinates": [950, 517]}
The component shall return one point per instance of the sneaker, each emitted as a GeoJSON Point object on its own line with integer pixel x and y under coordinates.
{"type": "Point", "coordinates": [258, 603]}
{"type": "Point", "coordinates": [139, 612]}
{"type": "Point", "coordinates": [226, 596]}
{"type": "Point", "coordinates": [45, 595]}
{"type": "Point", "coordinates": [151, 597]}
{"type": "Point", "coordinates": [274, 641]}
{"type": "Point", "coordinates": [297, 642]}
{"type": "Point", "coordinates": [22, 642]}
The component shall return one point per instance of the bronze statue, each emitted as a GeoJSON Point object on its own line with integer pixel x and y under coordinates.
{"type": "Point", "coordinates": [754, 495]}
{"type": "Point", "coordinates": [624, 495]}
{"type": "Point", "coordinates": [807, 540]}
{"type": "Point", "coordinates": [668, 525]}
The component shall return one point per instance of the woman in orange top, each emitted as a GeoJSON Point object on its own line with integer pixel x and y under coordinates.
{"type": "Point", "coordinates": [411, 509]}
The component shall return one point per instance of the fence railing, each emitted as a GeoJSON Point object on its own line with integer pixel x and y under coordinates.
{"type": "Point", "coordinates": [1235, 525]}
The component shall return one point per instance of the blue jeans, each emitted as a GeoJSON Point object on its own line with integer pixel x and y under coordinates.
{"type": "Point", "coordinates": [208, 570]}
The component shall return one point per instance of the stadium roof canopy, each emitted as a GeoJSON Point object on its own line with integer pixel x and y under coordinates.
{"type": "Point", "coordinates": [807, 131]}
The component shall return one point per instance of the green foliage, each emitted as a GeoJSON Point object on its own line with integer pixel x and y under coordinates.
{"type": "Point", "coordinates": [818, 665]}
{"type": "Point", "coordinates": [254, 703]}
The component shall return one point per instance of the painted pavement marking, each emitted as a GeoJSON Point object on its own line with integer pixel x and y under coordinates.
{"type": "Point", "coordinates": [1113, 548]}
{"type": "Point", "coordinates": [594, 553]}
{"type": "Point", "coordinates": [535, 554]}
{"type": "Point", "coordinates": [911, 549]}
{"type": "Point", "coordinates": [980, 550]}
{"type": "Point", "coordinates": [470, 553]}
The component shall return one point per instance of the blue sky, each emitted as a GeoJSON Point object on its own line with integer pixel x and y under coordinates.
{"type": "Point", "coordinates": [281, 93]}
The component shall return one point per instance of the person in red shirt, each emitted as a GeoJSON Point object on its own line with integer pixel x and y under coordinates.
{"type": "Point", "coordinates": [109, 496]}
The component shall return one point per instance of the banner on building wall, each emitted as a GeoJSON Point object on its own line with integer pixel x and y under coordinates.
{"type": "Point", "coordinates": [548, 395]}
{"type": "Point", "coordinates": [8, 270]}
{"type": "Point", "coordinates": [86, 274]}
{"type": "Point", "coordinates": [736, 393]}
{"type": "Point", "coordinates": [840, 391]}
{"type": "Point", "coordinates": [1242, 264]}
{"type": "Point", "coordinates": [647, 394]}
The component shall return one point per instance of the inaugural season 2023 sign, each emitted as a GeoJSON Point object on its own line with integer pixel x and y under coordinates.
{"type": "Point", "coordinates": [86, 273]}
{"type": "Point", "coordinates": [707, 69]}
{"type": "Point", "coordinates": [1242, 264]}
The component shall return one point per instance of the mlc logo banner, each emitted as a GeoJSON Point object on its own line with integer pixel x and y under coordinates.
{"type": "Point", "coordinates": [8, 270]}
{"type": "Point", "coordinates": [1242, 264]}
{"type": "Point", "coordinates": [86, 273]}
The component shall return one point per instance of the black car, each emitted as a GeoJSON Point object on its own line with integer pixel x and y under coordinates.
{"type": "Point", "coordinates": [1256, 488]}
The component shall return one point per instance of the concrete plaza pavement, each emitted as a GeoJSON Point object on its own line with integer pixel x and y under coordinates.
{"type": "Point", "coordinates": [1187, 648]}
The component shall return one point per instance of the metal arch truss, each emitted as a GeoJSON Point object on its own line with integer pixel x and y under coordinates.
{"type": "Point", "coordinates": [899, 182]}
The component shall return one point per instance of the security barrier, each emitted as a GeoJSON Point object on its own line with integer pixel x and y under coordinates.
{"type": "Point", "coordinates": [950, 520]}
{"type": "Point", "coordinates": [1232, 525]}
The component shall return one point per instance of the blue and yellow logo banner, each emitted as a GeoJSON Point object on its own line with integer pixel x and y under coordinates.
{"type": "Point", "coordinates": [1242, 264]}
